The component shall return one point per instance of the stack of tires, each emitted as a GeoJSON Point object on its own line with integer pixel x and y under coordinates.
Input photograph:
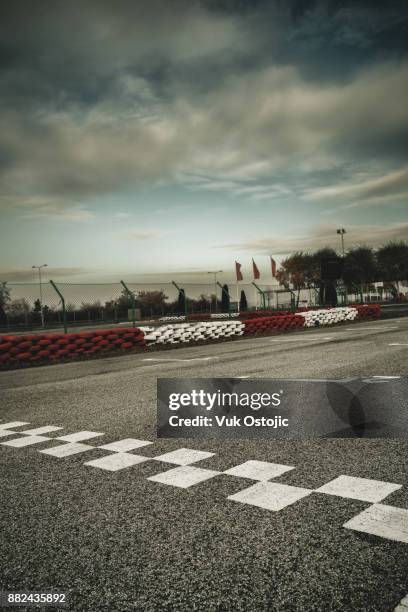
{"type": "Point", "coordinates": [272, 325]}
{"type": "Point", "coordinates": [329, 316]}
{"type": "Point", "coordinates": [368, 311]}
{"type": "Point", "coordinates": [45, 348]}
{"type": "Point", "coordinates": [247, 314]}
{"type": "Point", "coordinates": [185, 333]}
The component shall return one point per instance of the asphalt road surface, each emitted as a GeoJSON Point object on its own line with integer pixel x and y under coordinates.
{"type": "Point", "coordinates": [119, 539]}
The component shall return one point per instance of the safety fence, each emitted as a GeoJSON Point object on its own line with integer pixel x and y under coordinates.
{"type": "Point", "coordinates": [29, 306]}
{"type": "Point", "coordinates": [32, 349]}
{"type": "Point", "coordinates": [73, 306]}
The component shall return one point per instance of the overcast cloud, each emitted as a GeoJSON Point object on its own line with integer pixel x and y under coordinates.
{"type": "Point", "coordinates": [262, 103]}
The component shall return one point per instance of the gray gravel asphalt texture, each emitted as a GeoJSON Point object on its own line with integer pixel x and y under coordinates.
{"type": "Point", "coordinates": [116, 541]}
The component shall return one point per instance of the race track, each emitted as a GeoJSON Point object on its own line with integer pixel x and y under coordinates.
{"type": "Point", "coordinates": [116, 535]}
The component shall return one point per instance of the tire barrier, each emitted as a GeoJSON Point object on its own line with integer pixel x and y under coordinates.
{"type": "Point", "coordinates": [247, 314]}
{"type": "Point", "coordinates": [183, 333]}
{"type": "Point", "coordinates": [32, 349]}
{"type": "Point", "coordinates": [51, 348]}
{"type": "Point", "coordinates": [314, 318]}
{"type": "Point", "coordinates": [368, 311]}
{"type": "Point", "coordinates": [272, 325]}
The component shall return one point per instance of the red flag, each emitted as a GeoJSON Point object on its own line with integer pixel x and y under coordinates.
{"type": "Point", "coordinates": [238, 271]}
{"type": "Point", "coordinates": [255, 270]}
{"type": "Point", "coordinates": [273, 266]}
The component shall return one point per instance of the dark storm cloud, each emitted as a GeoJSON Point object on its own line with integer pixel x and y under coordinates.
{"type": "Point", "coordinates": [97, 96]}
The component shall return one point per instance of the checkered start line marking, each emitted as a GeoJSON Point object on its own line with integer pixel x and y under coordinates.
{"type": "Point", "coordinates": [378, 519]}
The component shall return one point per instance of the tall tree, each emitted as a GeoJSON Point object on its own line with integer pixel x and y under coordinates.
{"type": "Point", "coordinates": [151, 302]}
{"type": "Point", "coordinates": [4, 300]}
{"type": "Point", "coordinates": [243, 302]}
{"type": "Point", "coordinates": [181, 304]}
{"type": "Point", "coordinates": [225, 300]}
{"type": "Point", "coordinates": [360, 266]}
{"type": "Point", "coordinates": [392, 260]}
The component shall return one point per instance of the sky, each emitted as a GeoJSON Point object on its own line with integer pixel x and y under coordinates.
{"type": "Point", "coordinates": [163, 139]}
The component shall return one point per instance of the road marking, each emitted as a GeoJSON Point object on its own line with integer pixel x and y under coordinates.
{"type": "Point", "coordinates": [13, 424]}
{"type": "Point", "coordinates": [79, 436]}
{"type": "Point", "coordinates": [123, 446]}
{"type": "Point", "coordinates": [258, 470]}
{"type": "Point", "coordinates": [383, 328]}
{"type": "Point", "coordinates": [387, 377]}
{"type": "Point", "coordinates": [8, 432]}
{"type": "Point", "coordinates": [117, 461]}
{"type": "Point", "coordinates": [186, 360]}
{"type": "Point", "coordinates": [363, 489]}
{"type": "Point", "coordinates": [403, 605]}
{"type": "Point", "coordinates": [26, 441]}
{"type": "Point", "coordinates": [383, 521]}
{"type": "Point", "coordinates": [270, 495]}
{"type": "Point", "coordinates": [319, 337]}
{"type": "Point", "coordinates": [39, 431]}
{"type": "Point", "coordinates": [66, 450]}
{"type": "Point", "coordinates": [184, 476]}
{"type": "Point", "coordinates": [398, 344]}
{"type": "Point", "coordinates": [184, 456]}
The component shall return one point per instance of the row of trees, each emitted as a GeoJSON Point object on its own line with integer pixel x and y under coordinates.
{"type": "Point", "coordinates": [362, 266]}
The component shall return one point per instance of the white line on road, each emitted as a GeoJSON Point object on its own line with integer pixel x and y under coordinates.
{"type": "Point", "coordinates": [26, 441]}
{"type": "Point", "coordinates": [80, 436]}
{"type": "Point", "coordinates": [8, 432]}
{"type": "Point", "coordinates": [403, 605]}
{"type": "Point", "coordinates": [66, 450]}
{"type": "Point", "coordinates": [270, 495]}
{"type": "Point", "coordinates": [170, 360]}
{"type": "Point", "coordinates": [319, 337]}
{"type": "Point", "coordinates": [39, 431]}
{"type": "Point", "coordinates": [386, 377]}
{"type": "Point", "coordinates": [13, 424]}
{"type": "Point", "coordinates": [383, 329]}
{"type": "Point", "coordinates": [398, 344]}
{"type": "Point", "coordinates": [383, 521]}
{"type": "Point", "coordinates": [117, 461]}
{"type": "Point", "coordinates": [184, 476]}
{"type": "Point", "coordinates": [363, 489]}
{"type": "Point", "coordinates": [123, 446]}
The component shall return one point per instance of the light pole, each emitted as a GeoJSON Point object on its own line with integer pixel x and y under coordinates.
{"type": "Point", "coordinates": [215, 272]}
{"type": "Point", "coordinates": [41, 299]}
{"type": "Point", "coordinates": [342, 231]}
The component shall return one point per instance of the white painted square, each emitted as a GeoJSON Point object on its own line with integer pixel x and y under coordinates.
{"type": "Point", "coordinates": [39, 431]}
{"type": "Point", "coordinates": [12, 424]}
{"type": "Point", "coordinates": [117, 461]}
{"type": "Point", "coordinates": [383, 521]}
{"type": "Point", "coordinates": [124, 446]}
{"type": "Point", "coordinates": [80, 436]}
{"type": "Point", "coordinates": [8, 432]}
{"type": "Point", "coordinates": [258, 470]}
{"type": "Point", "coordinates": [184, 456]}
{"type": "Point", "coordinates": [184, 476]}
{"type": "Point", "coordinates": [270, 495]}
{"type": "Point", "coordinates": [363, 489]}
{"type": "Point", "coordinates": [68, 449]}
{"type": "Point", "coordinates": [26, 441]}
